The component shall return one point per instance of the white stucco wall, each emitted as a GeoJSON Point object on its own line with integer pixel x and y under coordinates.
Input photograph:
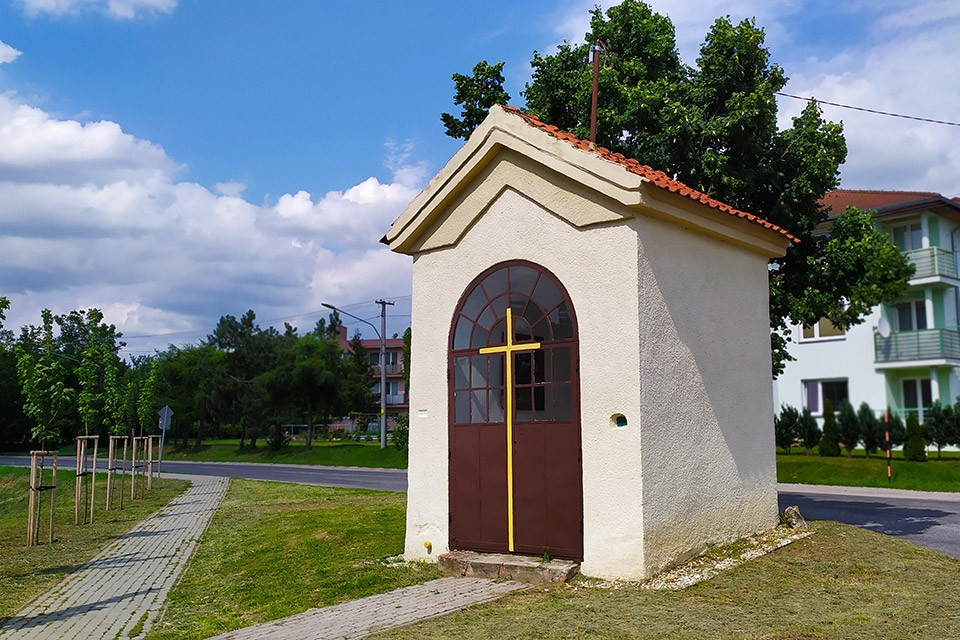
{"type": "Point", "coordinates": [672, 335]}
{"type": "Point", "coordinates": [707, 441]}
{"type": "Point", "coordinates": [598, 268]}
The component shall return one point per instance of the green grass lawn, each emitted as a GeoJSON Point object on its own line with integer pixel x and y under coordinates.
{"type": "Point", "coordinates": [27, 572]}
{"type": "Point", "coordinates": [274, 549]}
{"type": "Point", "coordinates": [860, 471]}
{"type": "Point", "coordinates": [841, 583]}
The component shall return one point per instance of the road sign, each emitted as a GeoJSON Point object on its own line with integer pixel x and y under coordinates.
{"type": "Point", "coordinates": [165, 414]}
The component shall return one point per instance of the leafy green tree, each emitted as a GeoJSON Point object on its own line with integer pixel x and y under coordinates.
{"type": "Point", "coordinates": [147, 400]}
{"type": "Point", "coordinates": [870, 429]}
{"type": "Point", "coordinates": [829, 444]}
{"type": "Point", "coordinates": [849, 427]}
{"type": "Point", "coordinates": [192, 381]}
{"type": "Point", "coordinates": [939, 426]}
{"type": "Point", "coordinates": [250, 352]}
{"type": "Point", "coordinates": [714, 126]}
{"type": "Point", "coordinates": [407, 341]}
{"type": "Point", "coordinates": [43, 380]}
{"type": "Point", "coordinates": [477, 93]}
{"type": "Point", "coordinates": [914, 447]}
{"type": "Point", "coordinates": [308, 375]}
{"type": "Point", "coordinates": [809, 431]}
{"type": "Point", "coordinates": [357, 390]}
{"type": "Point", "coordinates": [14, 424]}
{"type": "Point", "coordinates": [786, 427]}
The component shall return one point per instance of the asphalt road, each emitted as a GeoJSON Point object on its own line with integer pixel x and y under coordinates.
{"type": "Point", "coordinates": [354, 477]}
{"type": "Point", "coordinates": [930, 520]}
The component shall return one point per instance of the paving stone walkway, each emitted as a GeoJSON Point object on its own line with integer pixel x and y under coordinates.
{"type": "Point", "coordinates": [129, 580]}
{"type": "Point", "coordinates": [367, 616]}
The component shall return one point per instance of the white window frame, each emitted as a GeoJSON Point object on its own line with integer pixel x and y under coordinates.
{"type": "Point", "coordinates": [816, 333]}
{"type": "Point", "coordinates": [908, 235]}
{"type": "Point", "coordinates": [918, 388]}
{"type": "Point", "coordinates": [820, 401]}
{"type": "Point", "coordinates": [915, 305]}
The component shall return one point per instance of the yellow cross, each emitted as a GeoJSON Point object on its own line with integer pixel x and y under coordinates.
{"type": "Point", "coordinates": [508, 350]}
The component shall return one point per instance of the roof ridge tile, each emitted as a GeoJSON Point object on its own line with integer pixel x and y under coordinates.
{"type": "Point", "coordinates": [658, 178]}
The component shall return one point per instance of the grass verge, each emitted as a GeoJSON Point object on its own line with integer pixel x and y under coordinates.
{"type": "Point", "coordinates": [335, 454]}
{"type": "Point", "coordinates": [27, 572]}
{"type": "Point", "coordinates": [859, 471]}
{"type": "Point", "coordinates": [273, 550]}
{"type": "Point", "coordinates": [842, 582]}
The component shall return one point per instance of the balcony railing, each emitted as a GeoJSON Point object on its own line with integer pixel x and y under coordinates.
{"type": "Point", "coordinates": [398, 399]}
{"type": "Point", "coordinates": [926, 344]}
{"type": "Point", "coordinates": [933, 261]}
{"type": "Point", "coordinates": [391, 369]}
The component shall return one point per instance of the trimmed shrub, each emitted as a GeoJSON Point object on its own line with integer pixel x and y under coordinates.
{"type": "Point", "coordinates": [786, 427]}
{"type": "Point", "coordinates": [849, 427]}
{"type": "Point", "coordinates": [915, 445]}
{"type": "Point", "coordinates": [870, 430]}
{"type": "Point", "coordinates": [809, 431]}
{"type": "Point", "coordinates": [939, 427]}
{"type": "Point", "coordinates": [829, 444]}
{"type": "Point", "coordinates": [898, 433]}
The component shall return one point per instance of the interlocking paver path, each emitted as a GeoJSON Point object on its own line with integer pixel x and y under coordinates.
{"type": "Point", "coordinates": [130, 579]}
{"type": "Point", "coordinates": [367, 616]}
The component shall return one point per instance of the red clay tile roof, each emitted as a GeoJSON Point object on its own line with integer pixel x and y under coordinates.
{"type": "Point", "coordinates": [838, 201]}
{"type": "Point", "coordinates": [658, 178]}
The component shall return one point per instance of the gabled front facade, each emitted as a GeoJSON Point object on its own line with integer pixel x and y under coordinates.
{"type": "Point", "coordinates": [905, 355]}
{"type": "Point", "coordinates": [590, 361]}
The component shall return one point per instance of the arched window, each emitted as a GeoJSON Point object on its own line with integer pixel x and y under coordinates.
{"type": "Point", "coordinates": [540, 312]}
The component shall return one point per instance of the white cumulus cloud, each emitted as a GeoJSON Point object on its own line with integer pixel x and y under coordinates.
{"type": "Point", "coordinates": [7, 53]}
{"type": "Point", "coordinates": [95, 217]}
{"type": "Point", "coordinates": [120, 9]}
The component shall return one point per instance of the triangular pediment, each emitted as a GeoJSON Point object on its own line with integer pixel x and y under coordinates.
{"type": "Point", "coordinates": [568, 177]}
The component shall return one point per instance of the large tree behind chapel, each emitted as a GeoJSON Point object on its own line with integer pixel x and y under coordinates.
{"type": "Point", "coordinates": [714, 127]}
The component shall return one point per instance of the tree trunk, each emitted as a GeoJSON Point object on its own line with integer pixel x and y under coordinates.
{"type": "Point", "coordinates": [243, 433]}
{"type": "Point", "coordinates": [196, 444]}
{"type": "Point", "coordinates": [309, 425]}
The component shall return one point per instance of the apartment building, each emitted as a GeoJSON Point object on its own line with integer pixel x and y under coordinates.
{"type": "Point", "coordinates": [904, 355]}
{"type": "Point", "coordinates": [396, 396]}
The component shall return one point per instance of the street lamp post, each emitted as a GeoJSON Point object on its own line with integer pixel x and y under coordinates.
{"type": "Point", "coordinates": [383, 361]}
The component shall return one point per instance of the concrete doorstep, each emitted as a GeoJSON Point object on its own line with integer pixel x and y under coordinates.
{"type": "Point", "coordinates": [496, 566]}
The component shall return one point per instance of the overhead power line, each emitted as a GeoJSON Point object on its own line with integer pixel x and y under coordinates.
{"type": "Point", "coordinates": [876, 111]}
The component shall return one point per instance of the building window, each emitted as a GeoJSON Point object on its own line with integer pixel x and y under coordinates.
{"type": "Point", "coordinates": [917, 396]}
{"type": "Point", "coordinates": [908, 237]}
{"type": "Point", "coordinates": [817, 392]}
{"type": "Point", "coordinates": [912, 316]}
{"type": "Point", "coordinates": [822, 330]}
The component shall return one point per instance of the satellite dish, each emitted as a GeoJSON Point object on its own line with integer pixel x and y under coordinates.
{"type": "Point", "coordinates": [883, 328]}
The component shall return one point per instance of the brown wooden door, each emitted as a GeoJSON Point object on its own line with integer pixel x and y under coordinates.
{"type": "Point", "coordinates": [514, 370]}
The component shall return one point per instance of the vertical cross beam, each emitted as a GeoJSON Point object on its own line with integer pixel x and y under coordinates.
{"type": "Point", "coordinates": [508, 350]}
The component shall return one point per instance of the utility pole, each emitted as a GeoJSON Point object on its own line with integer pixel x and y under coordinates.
{"type": "Point", "coordinates": [383, 372]}
{"type": "Point", "coordinates": [595, 50]}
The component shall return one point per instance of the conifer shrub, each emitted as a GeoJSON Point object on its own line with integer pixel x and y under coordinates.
{"type": "Point", "coordinates": [786, 427]}
{"type": "Point", "coordinates": [809, 431]}
{"type": "Point", "coordinates": [870, 430]}
{"type": "Point", "coordinates": [829, 444]}
{"type": "Point", "coordinates": [848, 427]}
{"type": "Point", "coordinates": [915, 445]}
{"type": "Point", "coordinates": [939, 428]}
{"type": "Point", "coordinates": [894, 424]}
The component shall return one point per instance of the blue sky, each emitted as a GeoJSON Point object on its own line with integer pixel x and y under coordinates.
{"type": "Point", "coordinates": [169, 161]}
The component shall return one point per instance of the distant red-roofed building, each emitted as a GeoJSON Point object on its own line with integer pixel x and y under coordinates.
{"type": "Point", "coordinates": [907, 354]}
{"type": "Point", "coordinates": [397, 403]}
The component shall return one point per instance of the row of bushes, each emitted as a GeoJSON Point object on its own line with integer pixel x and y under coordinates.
{"type": "Point", "coordinates": [850, 428]}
